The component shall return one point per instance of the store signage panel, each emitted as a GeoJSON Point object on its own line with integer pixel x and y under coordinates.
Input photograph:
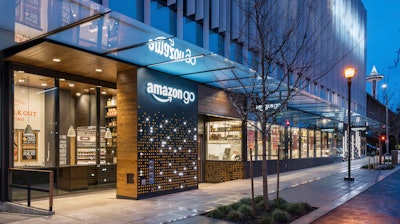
{"type": "Point", "coordinates": [164, 94]}
{"type": "Point", "coordinates": [270, 106]}
{"type": "Point", "coordinates": [162, 90]}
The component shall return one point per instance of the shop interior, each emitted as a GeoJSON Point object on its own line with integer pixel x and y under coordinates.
{"type": "Point", "coordinates": [85, 111]}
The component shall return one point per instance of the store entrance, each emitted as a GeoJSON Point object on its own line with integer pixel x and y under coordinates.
{"type": "Point", "coordinates": [68, 126]}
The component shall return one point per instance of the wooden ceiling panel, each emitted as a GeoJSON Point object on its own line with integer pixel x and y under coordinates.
{"type": "Point", "coordinates": [71, 61]}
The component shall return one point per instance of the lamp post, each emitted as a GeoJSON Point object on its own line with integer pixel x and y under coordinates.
{"type": "Point", "coordinates": [349, 73]}
{"type": "Point", "coordinates": [387, 121]}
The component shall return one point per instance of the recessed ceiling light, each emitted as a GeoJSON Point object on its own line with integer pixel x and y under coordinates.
{"type": "Point", "coordinates": [78, 94]}
{"type": "Point", "coordinates": [21, 80]}
{"type": "Point", "coordinates": [104, 92]}
{"type": "Point", "coordinates": [99, 70]}
{"type": "Point", "coordinates": [71, 85]}
{"type": "Point", "coordinates": [91, 88]}
{"type": "Point", "coordinates": [44, 84]}
{"type": "Point", "coordinates": [62, 79]}
{"type": "Point", "coordinates": [56, 59]}
{"type": "Point", "coordinates": [20, 71]}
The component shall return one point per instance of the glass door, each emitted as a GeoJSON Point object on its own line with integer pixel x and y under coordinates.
{"type": "Point", "coordinates": [34, 121]}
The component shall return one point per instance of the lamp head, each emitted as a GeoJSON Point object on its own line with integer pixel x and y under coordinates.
{"type": "Point", "coordinates": [28, 130]}
{"type": "Point", "coordinates": [349, 72]}
{"type": "Point", "coordinates": [71, 132]}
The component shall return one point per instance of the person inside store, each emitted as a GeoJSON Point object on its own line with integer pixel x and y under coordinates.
{"type": "Point", "coordinates": [235, 156]}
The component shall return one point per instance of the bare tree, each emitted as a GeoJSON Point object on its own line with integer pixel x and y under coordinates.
{"type": "Point", "coordinates": [285, 38]}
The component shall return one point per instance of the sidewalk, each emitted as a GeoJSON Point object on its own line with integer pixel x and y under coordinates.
{"type": "Point", "coordinates": [378, 204]}
{"type": "Point", "coordinates": [322, 187]}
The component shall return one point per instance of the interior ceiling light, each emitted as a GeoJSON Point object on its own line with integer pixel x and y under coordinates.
{"type": "Point", "coordinates": [99, 70]}
{"type": "Point", "coordinates": [71, 85]}
{"type": "Point", "coordinates": [104, 92]}
{"type": "Point", "coordinates": [108, 134]}
{"type": "Point", "coordinates": [44, 84]}
{"type": "Point", "coordinates": [62, 79]}
{"type": "Point", "coordinates": [78, 94]}
{"type": "Point", "coordinates": [71, 132]}
{"type": "Point", "coordinates": [56, 59]}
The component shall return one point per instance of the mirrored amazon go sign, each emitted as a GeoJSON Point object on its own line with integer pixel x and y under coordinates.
{"type": "Point", "coordinates": [166, 47]}
{"type": "Point", "coordinates": [165, 94]}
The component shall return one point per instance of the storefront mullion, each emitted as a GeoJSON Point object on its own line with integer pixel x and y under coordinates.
{"type": "Point", "coordinates": [6, 124]}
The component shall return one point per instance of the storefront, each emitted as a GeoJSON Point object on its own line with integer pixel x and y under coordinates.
{"type": "Point", "coordinates": [145, 114]}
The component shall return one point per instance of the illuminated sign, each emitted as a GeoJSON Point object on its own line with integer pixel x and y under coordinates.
{"type": "Point", "coordinates": [167, 49]}
{"type": "Point", "coordinates": [165, 94]}
{"type": "Point", "coordinates": [269, 106]}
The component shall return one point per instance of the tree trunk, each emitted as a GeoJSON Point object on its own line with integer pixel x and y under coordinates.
{"type": "Point", "coordinates": [264, 164]}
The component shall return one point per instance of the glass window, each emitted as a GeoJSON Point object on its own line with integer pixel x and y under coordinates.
{"type": "Point", "coordinates": [236, 52]}
{"type": "Point", "coordinates": [325, 148]}
{"type": "Point", "coordinates": [34, 121]}
{"type": "Point", "coordinates": [295, 142]}
{"type": "Point", "coordinates": [93, 144]}
{"type": "Point", "coordinates": [276, 141]}
{"type": "Point", "coordinates": [318, 144]}
{"type": "Point", "coordinates": [332, 150]}
{"type": "Point", "coordinates": [163, 18]}
{"type": "Point", "coordinates": [254, 142]}
{"type": "Point", "coordinates": [216, 43]}
{"type": "Point", "coordinates": [224, 140]}
{"type": "Point", "coordinates": [193, 32]}
{"type": "Point", "coordinates": [304, 143]}
{"type": "Point", "coordinates": [134, 9]}
{"type": "Point", "coordinates": [78, 113]}
{"type": "Point", "coordinates": [311, 143]}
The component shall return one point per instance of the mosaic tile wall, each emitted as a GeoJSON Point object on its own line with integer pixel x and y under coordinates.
{"type": "Point", "coordinates": [167, 141]}
{"type": "Point", "coordinates": [167, 152]}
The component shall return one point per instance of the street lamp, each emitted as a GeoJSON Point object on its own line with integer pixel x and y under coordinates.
{"type": "Point", "coordinates": [349, 73]}
{"type": "Point", "coordinates": [387, 120]}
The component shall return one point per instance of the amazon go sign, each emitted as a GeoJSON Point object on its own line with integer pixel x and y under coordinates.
{"type": "Point", "coordinates": [165, 94]}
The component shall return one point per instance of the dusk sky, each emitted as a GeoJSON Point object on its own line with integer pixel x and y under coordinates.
{"type": "Point", "coordinates": [383, 40]}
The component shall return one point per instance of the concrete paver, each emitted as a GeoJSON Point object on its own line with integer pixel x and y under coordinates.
{"type": "Point", "coordinates": [321, 187]}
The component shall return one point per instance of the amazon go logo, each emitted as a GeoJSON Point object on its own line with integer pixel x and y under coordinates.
{"type": "Point", "coordinates": [164, 94]}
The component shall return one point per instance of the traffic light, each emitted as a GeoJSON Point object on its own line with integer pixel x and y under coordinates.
{"type": "Point", "coordinates": [383, 138]}
{"type": "Point", "coordinates": [287, 123]}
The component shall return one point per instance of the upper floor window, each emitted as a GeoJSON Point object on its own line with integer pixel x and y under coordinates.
{"type": "Point", "coordinates": [216, 43]}
{"type": "Point", "coordinates": [192, 31]}
{"type": "Point", "coordinates": [163, 18]}
{"type": "Point", "coordinates": [236, 52]}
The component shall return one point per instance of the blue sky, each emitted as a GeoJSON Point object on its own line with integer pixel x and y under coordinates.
{"type": "Point", "coordinates": [383, 40]}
